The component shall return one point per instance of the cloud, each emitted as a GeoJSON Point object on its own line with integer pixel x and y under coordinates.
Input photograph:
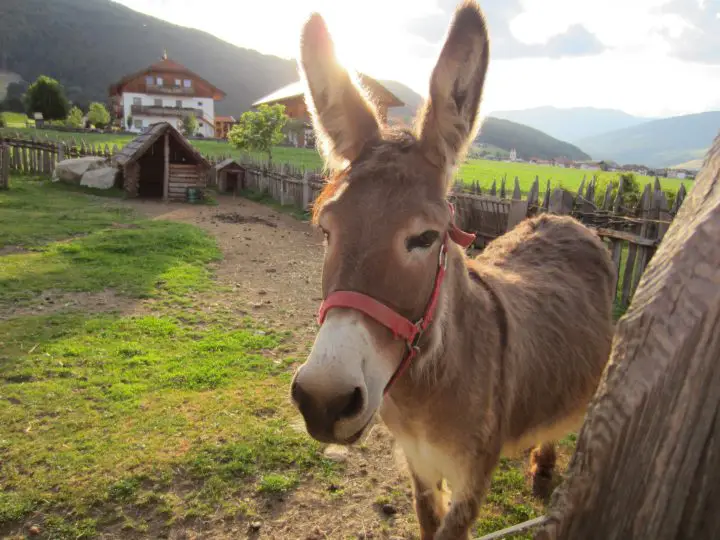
{"type": "Point", "coordinates": [573, 40]}
{"type": "Point", "coordinates": [700, 39]}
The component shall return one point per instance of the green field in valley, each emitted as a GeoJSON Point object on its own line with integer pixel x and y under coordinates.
{"type": "Point", "coordinates": [472, 170]}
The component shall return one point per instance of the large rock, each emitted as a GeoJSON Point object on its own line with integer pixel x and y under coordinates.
{"type": "Point", "coordinates": [72, 170]}
{"type": "Point", "coordinates": [99, 178]}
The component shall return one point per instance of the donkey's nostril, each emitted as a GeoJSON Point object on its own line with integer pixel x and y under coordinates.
{"type": "Point", "coordinates": [353, 405]}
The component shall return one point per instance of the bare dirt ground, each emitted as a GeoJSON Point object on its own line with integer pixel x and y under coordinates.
{"type": "Point", "coordinates": [271, 271]}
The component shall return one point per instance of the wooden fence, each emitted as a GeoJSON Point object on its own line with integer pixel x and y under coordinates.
{"type": "Point", "coordinates": [632, 232]}
{"type": "Point", "coordinates": [31, 156]}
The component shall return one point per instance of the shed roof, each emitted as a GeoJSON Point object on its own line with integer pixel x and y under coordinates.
{"type": "Point", "coordinates": [226, 163]}
{"type": "Point", "coordinates": [135, 149]}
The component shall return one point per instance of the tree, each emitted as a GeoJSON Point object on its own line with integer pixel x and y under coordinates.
{"type": "Point", "coordinates": [259, 131]}
{"type": "Point", "coordinates": [14, 97]}
{"type": "Point", "coordinates": [47, 96]}
{"type": "Point", "coordinates": [98, 115]}
{"type": "Point", "coordinates": [190, 125]}
{"type": "Point", "coordinates": [74, 118]}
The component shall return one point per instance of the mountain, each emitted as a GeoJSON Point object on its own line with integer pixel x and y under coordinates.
{"type": "Point", "coordinates": [660, 143]}
{"type": "Point", "coordinates": [494, 132]}
{"type": "Point", "coordinates": [528, 142]}
{"type": "Point", "coordinates": [572, 124]}
{"type": "Point", "coordinates": [89, 44]}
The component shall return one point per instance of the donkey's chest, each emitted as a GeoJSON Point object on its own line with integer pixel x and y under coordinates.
{"type": "Point", "coordinates": [429, 459]}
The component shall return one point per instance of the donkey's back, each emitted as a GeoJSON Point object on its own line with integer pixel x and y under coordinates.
{"type": "Point", "coordinates": [555, 278]}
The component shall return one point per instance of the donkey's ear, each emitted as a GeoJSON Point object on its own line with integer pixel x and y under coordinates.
{"type": "Point", "coordinates": [344, 120]}
{"type": "Point", "coordinates": [449, 121]}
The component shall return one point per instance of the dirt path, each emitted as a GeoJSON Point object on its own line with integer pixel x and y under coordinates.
{"type": "Point", "coordinates": [271, 271]}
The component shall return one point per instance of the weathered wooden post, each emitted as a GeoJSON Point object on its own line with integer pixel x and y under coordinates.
{"type": "Point", "coordinates": [561, 202]}
{"type": "Point", "coordinates": [166, 167]}
{"type": "Point", "coordinates": [61, 151]}
{"type": "Point", "coordinates": [4, 167]}
{"type": "Point", "coordinates": [647, 461]}
{"type": "Point", "coordinates": [307, 192]}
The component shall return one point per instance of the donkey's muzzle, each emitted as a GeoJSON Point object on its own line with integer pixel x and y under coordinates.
{"type": "Point", "coordinates": [322, 411]}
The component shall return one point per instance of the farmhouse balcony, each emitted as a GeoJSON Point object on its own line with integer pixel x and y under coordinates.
{"type": "Point", "coordinates": [174, 90]}
{"type": "Point", "coordinates": [154, 110]}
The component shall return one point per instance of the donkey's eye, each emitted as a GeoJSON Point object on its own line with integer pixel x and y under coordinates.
{"type": "Point", "coordinates": [422, 241]}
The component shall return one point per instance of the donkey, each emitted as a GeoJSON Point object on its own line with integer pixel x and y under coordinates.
{"type": "Point", "coordinates": [463, 359]}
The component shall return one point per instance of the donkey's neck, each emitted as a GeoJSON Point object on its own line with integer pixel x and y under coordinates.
{"type": "Point", "coordinates": [466, 323]}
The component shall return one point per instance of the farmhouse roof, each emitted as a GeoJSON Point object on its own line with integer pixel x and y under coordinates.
{"type": "Point", "coordinates": [135, 149]}
{"type": "Point", "coordinates": [297, 89]}
{"type": "Point", "coordinates": [164, 66]}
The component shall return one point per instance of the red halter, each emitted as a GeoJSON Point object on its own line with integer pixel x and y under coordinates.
{"type": "Point", "coordinates": [401, 327]}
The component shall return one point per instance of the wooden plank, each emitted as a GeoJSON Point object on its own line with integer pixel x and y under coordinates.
{"type": "Point", "coordinates": [616, 251]}
{"type": "Point", "coordinates": [647, 460]}
{"type": "Point", "coordinates": [166, 167]}
{"type": "Point", "coordinates": [4, 167]}
{"type": "Point", "coordinates": [627, 276]}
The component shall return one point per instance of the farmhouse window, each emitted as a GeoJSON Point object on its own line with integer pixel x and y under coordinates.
{"type": "Point", "coordinates": [158, 102]}
{"type": "Point", "coordinates": [159, 81]}
{"type": "Point", "coordinates": [138, 123]}
{"type": "Point", "coordinates": [149, 79]}
{"type": "Point", "coordinates": [178, 104]}
{"type": "Point", "coordinates": [137, 101]}
{"type": "Point", "coordinates": [187, 83]}
{"type": "Point", "coordinates": [177, 82]}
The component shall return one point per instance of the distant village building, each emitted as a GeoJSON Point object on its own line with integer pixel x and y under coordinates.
{"type": "Point", "coordinates": [165, 92]}
{"type": "Point", "coordinates": [293, 97]}
{"type": "Point", "coordinates": [513, 155]}
{"type": "Point", "coordinates": [223, 124]}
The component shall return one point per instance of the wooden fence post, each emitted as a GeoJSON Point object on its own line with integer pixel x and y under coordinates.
{"type": "Point", "coordinates": [307, 193]}
{"type": "Point", "coordinates": [61, 151]}
{"type": "Point", "coordinates": [4, 167]}
{"type": "Point", "coordinates": [647, 460]}
{"type": "Point", "coordinates": [561, 202]}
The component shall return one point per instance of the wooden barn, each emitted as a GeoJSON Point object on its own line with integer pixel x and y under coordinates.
{"type": "Point", "coordinates": [230, 176]}
{"type": "Point", "coordinates": [162, 164]}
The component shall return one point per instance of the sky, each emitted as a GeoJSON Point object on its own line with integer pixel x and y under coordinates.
{"type": "Point", "coordinates": [646, 57]}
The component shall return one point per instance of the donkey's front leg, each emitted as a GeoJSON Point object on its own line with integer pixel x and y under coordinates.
{"type": "Point", "coordinates": [466, 502]}
{"type": "Point", "coordinates": [430, 506]}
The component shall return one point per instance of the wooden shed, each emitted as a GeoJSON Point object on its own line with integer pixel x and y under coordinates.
{"type": "Point", "coordinates": [161, 163]}
{"type": "Point", "coordinates": [230, 176]}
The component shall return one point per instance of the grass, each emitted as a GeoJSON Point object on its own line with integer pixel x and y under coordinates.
{"type": "Point", "coordinates": [137, 418]}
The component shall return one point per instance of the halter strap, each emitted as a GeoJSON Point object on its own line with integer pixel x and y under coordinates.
{"type": "Point", "coordinates": [401, 327]}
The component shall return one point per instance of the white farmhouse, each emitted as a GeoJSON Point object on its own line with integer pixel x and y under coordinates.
{"type": "Point", "coordinates": [165, 92]}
